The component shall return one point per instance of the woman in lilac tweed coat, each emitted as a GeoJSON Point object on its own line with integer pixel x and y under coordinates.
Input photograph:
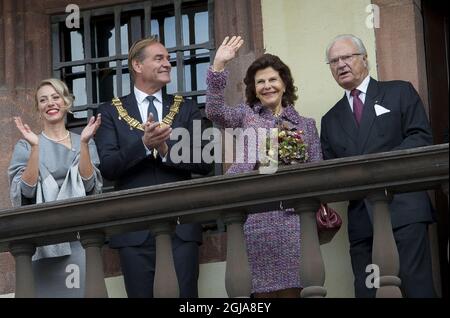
{"type": "Point", "coordinates": [272, 238]}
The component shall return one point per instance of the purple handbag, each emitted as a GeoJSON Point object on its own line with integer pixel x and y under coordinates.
{"type": "Point", "coordinates": [328, 223]}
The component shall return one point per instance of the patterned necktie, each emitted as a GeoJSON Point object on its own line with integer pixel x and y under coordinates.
{"type": "Point", "coordinates": [357, 105]}
{"type": "Point", "coordinates": [152, 108]}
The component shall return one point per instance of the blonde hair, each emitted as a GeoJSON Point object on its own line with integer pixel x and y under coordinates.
{"type": "Point", "coordinates": [60, 87]}
{"type": "Point", "coordinates": [137, 51]}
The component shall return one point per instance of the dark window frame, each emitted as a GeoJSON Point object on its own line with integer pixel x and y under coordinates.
{"type": "Point", "coordinates": [136, 32]}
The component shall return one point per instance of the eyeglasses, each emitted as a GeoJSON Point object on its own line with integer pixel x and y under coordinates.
{"type": "Point", "coordinates": [344, 58]}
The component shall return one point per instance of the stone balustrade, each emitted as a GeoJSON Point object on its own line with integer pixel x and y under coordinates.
{"type": "Point", "coordinates": [94, 219]}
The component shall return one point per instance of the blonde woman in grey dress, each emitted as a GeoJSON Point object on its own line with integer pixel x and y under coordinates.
{"type": "Point", "coordinates": [55, 165]}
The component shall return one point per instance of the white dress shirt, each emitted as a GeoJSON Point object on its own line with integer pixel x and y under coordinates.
{"type": "Point", "coordinates": [142, 102]}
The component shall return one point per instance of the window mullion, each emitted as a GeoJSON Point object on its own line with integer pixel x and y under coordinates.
{"type": "Point", "coordinates": [135, 25]}
{"type": "Point", "coordinates": [211, 27]}
{"type": "Point", "coordinates": [56, 50]}
{"type": "Point", "coordinates": [117, 12]}
{"type": "Point", "coordinates": [88, 55]}
{"type": "Point", "coordinates": [179, 43]}
{"type": "Point", "coordinates": [192, 53]}
{"type": "Point", "coordinates": [147, 20]}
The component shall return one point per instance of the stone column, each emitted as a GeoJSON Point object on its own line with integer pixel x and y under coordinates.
{"type": "Point", "coordinates": [166, 282]}
{"type": "Point", "coordinates": [22, 253]}
{"type": "Point", "coordinates": [312, 268]}
{"type": "Point", "coordinates": [384, 251]}
{"type": "Point", "coordinates": [400, 45]}
{"type": "Point", "coordinates": [25, 44]}
{"type": "Point", "coordinates": [238, 280]}
{"type": "Point", "coordinates": [95, 286]}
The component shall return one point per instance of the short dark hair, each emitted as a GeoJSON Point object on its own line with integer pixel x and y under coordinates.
{"type": "Point", "coordinates": [263, 62]}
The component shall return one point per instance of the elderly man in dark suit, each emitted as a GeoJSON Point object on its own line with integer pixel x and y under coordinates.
{"type": "Point", "coordinates": [371, 117]}
{"type": "Point", "coordinates": [135, 155]}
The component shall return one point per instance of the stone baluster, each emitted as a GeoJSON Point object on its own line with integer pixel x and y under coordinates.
{"type": "Point", "coordinates": [312, 268]}
{"type": "Point", "coordinates": [384, 250]}
{"type": "Point", "coordinates": [165, 284]}
{"type": "Point", "coordinates": [238, 282]}
{"type": "Point", "coordinates": [22, 253]}
{"type": "Point", "coordinates": [95, 286]}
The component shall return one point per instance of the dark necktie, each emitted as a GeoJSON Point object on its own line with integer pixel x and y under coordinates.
{"type": "Point", "coordinates": [151, 108]}
{"type": "Point", "coordinates": [357, 105]}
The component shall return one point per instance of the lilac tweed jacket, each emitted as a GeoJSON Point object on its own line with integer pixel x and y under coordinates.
{"type": "Point", "coordinates": [244, 116]}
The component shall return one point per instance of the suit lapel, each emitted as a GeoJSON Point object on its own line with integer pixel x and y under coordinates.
{"type": "Point", "coordinates": [347, 120]}
{"type": "Point", "coordinates": [130, 104]}
{"type": "Point", "coordinates": [166, 103]}
{"type": "Point", "coordinates": [368, 115]}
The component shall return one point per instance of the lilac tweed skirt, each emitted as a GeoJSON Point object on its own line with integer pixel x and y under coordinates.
{"type": "Point", "coordinates": [273, 248]}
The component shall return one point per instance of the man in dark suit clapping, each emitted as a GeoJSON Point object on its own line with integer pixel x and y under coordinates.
{"type": "Point", "coordinates": [134, 149]}
{"type": "Point", "coordinates": [375, 116]}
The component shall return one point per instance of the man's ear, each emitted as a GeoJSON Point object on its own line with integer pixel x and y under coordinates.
{"type": "Point", "coordinates": [136, 66]}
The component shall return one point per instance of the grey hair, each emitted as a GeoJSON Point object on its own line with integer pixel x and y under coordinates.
{"type": "Point", "coordinates": [357, 41]}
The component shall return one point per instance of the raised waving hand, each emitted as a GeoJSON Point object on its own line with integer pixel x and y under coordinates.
{"type": "Point", "coordinates": [226, 52]}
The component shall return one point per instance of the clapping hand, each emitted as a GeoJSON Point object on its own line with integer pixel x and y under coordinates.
{"type": "Point", "coordinates": [90, 129]}
{"type": "Point", "coordinates": [155, 134]}
{"type": "Point", "coordinates": [226, 52]}
{"type": "Point", "coordinates": [26, 132]}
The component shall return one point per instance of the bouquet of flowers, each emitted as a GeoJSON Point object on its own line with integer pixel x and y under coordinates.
{"type": "Point", "coordinates": [291, 147]}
